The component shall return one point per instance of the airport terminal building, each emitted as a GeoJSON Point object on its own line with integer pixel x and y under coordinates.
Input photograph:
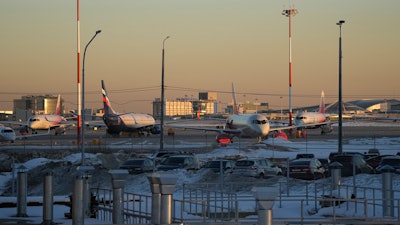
{"type": "Point", "coordinates": [206, 104]}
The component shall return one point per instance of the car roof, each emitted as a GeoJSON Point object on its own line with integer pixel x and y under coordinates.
{"type": "Point", "coordinates": [175, 156]}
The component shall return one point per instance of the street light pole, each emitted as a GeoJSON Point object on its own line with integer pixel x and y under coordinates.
{"type": "Point", "coordinates": [281, 106]}
{"type": "Point", "coordinates": [340, 133]}
{"type": "Point", "coordinates": [290, 13]}
{"type": "Point", "coordinates": [83, 100]}
{"type": "Point", "coordinates": [162, 98]}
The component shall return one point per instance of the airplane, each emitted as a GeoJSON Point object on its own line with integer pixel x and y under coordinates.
{"type": "Point", "coordinates": [312, 120]}
{"type": "Point", "coordinates": [50, 121]}
{"type": "Point", "coordinates": [7, 134]}
{"type": "Point", "coordinates": [126, 122]}
{"type": "Point", "coordinates": [241, 125]}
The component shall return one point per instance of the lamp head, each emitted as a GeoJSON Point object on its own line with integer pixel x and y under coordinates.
{"type": "Point", "coordinates": [340, 22]}
{"type": "Point", "coordinates": [98, 31]}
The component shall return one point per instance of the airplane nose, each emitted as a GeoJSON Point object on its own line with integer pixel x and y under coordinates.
{"type": "Point", "coordinates": [264, 130]}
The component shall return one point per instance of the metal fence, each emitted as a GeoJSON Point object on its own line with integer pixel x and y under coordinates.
{"type": "Point", "coordinates": [208, 203]}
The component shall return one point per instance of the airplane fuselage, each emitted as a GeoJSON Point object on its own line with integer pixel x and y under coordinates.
{"type": "Point", "coordinates": [44, 122]}
{"type": "Point", "coordinates": [129, 122]}
{"type": "Point", "coordinates": [305, 118]}
{"type": "Point", "coordinates": [250, 125]}
{"type": "Point", "coordinates": [7, 134]}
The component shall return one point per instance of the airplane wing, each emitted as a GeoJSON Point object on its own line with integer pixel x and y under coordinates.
{"type": "Point", "coordinates": [377, 118]}
{"type": "Point", "coordinates": [204, 128]}
{"type": "Point", "coordinates": [281, 128]}
{"type": "Point", "coordinates": [212, 125]}
{"type": "Point", "coordinates": [26, 136]}
{"type": "Point", "coordinates": [96, 123]}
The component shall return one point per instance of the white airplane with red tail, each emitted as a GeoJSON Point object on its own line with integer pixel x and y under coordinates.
{"type": "Point", "coordinates": [49, 121]}
{"type": "Point", "coordinates": [241, 125]}
{"type": "Point", "coordinates": [312, 120]}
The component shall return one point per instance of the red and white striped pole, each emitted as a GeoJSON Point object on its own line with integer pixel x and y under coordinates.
{"type": "Point", "coordinates": [79, 118]}
{"type": "Point", "coordinates": [289, 13]}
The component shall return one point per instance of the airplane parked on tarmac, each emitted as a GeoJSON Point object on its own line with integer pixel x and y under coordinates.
{"type": "Point", "coordinates": [126, 122]}
{"type": "Point", "coordinates": [50, 121]}
{"type": "Point", "coordinates": [7, 134]}
{"type": "Point", "coordinates": [46, 122]}
{"type": "Point", "coordinates": [312, 120]}
{"type": "Point", "coordinates": [241, 125]}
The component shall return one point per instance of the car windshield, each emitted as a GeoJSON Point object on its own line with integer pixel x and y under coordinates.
{"type": "Point", "coordinates": [173, 161]}
{"type": "Point", "coordinates": [214, 164]}
{"type": "Point", "coordinates": [300, 163]}
{"type": "Point", "coordinates": [133, 162]}
{"type": "Point", "coordinates": [245, 163]}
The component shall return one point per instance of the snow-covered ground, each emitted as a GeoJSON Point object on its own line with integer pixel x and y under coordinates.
{"type": "Point", "coordinates": [272, 148]}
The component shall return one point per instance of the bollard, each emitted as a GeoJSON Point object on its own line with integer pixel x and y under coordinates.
{"type": "Point", "coordinates": [86, 195]}
{"type": "Point", "coordinates": [118, 183]}
{"type": "Point", "coordinates": [77, 200]}
{"type": "Point", "coordinates": [387, 191]}
{"type": "Point", "coordinates": [48, 199]}
{"type": "Point", "coordinates": [265, 197]}
{"type": "Point", "coordinates": [84, 171]}
{"type": "Point", "coordinates": [336, 173]}
{"type": "Point", "coordinates": [167, 187]}
{"type": "Point", "coordinates": [22, 192]}
{"type": "Point", "coordinates": [154, 180]}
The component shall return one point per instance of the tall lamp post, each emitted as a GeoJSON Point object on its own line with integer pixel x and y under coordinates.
{"type": "Point", "coordinates": [162, 98]}
{"type": "Point", "coordinates": [340, 145]}
{"type": "Point", "coordinates": [290, 13]}
{"type": "Point", "coordinates": [83, 99]}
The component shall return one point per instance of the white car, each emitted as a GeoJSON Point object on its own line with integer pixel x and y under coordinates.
{"type": "Point", "coordinates": [258, 167]}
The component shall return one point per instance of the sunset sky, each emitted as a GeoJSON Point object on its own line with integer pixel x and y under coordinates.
{"type": "Point", "coordinates": [212, 44]}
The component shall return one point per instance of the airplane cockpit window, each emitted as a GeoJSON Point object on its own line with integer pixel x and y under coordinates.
{"type": "Point", "coordinates": [259, 121]}
{"type": "Point", "coordinates": [34, 119]}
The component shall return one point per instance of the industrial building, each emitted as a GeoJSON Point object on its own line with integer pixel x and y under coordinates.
{"type": "Point", "coordinates": [34, 104]}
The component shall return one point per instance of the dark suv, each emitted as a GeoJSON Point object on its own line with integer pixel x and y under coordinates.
{"type": "Point", "coordinates": [348, 160]}
{"type": "Point", "coordinates": [188, 162]}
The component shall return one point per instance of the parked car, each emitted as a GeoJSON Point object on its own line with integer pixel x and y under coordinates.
{"type": "Point", "coordinates": [325, 163]}
{"type": "Point", "coordinates": [348, 160]}
{"type": "Point", "coordinates": [305, 155]}
{"type": "Point", "coordinates": [375, 160]}
{"type": "Point", "coordinates": [215, 165]}
{"type": "Point", "coordinates": [188, 162]}
{"type": "Point", "coordinates": [259, 168]}
{"type": "Point", "coordinates": [306, 169]}
{"type": "Point", "coordinates": [161, 155]}
{"type": "Point", "coordinates": [138, 165]}
{"type": "Point", "coordinates": [393, 161]}
{"type": "Point", "coordinates": [333, 154]}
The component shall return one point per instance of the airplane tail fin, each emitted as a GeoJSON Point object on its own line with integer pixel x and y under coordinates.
{"type": "Point", "coordinates": [106, 102]}
{"type": "Point", "coordinates": [58, 106]}
{"type": "Point", "coordinates": [235, 106]}
{"type": "Point", "coordinates": [322, 103]}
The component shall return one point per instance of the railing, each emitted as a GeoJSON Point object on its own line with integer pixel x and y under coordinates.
{"type": "Point", "coordinates": [208, 203]}
{"type": "Point", "coordinates": [137, 208]}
